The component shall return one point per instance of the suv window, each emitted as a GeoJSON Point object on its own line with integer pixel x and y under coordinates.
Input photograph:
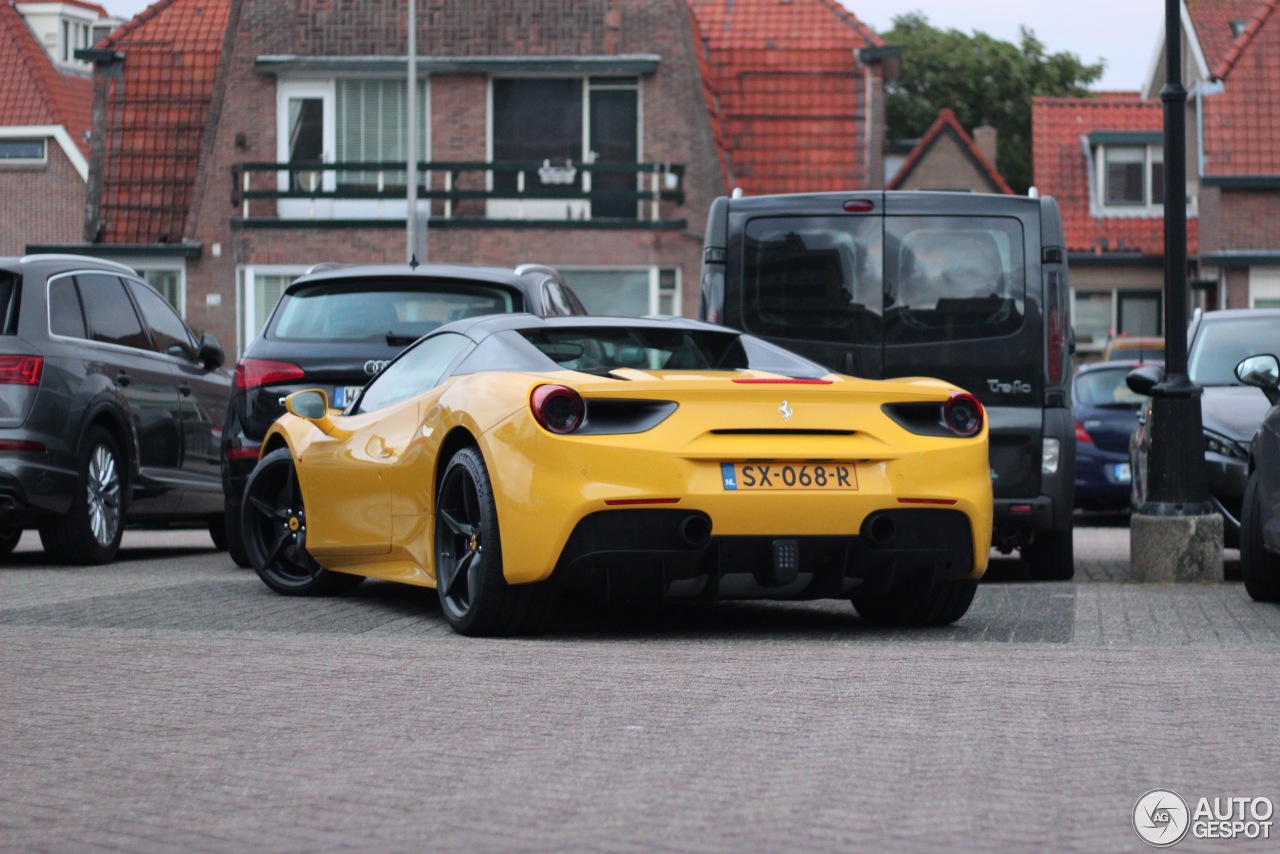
{"type": "Point", "coordinates": [956, 277]}
{"type": "Point", "coordinates": [110, 311]}
{"type": "Point", "coordinates": [370, 311]}
{"type": "Point", "coordinates": [417, 370]}
{"type": "Point", "coordinates": [65, 316]}
{"type": "Point", "coordinates": [167, 329]}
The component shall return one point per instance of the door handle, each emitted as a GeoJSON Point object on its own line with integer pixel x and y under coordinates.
{"type": "Point", "coordinates": [184, 390]}
{"type": "Point", "coordinates": [123, 378]}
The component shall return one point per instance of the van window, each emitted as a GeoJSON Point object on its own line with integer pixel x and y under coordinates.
{"type": "Point", "coordinates": [953, 278]}
{"type": "Point", "coordinates": [816, 278]}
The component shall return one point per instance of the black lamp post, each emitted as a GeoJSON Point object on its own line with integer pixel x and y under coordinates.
{"type": "Point", "coordinates": [1175, 465]}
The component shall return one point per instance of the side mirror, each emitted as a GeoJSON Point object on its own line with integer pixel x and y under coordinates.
{"type": "Point", "coordinates": [1262, 371]}
{"type": "Point", "coordinates": [210, 354]}
{"type": "Point", "coordinates": [313, 405]}
{"type": "Point", "coordinates": [1143, 379]}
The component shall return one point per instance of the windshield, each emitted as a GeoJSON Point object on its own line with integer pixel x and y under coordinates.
{"type": "Point", "coordinates": [366, 310]}
{"type": "Point", "coordinates": [1220, 346]}
{"type": "Point", "coordinates": [603, 349]}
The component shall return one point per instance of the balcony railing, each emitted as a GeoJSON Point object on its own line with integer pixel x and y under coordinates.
{"type": "Point", "coordinates": [495, 191]}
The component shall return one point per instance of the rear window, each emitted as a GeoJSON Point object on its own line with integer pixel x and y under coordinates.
{"type": "Point", "coordinates": [953, 278]}
{"type": "Point", "coordinates": [604, 349]}
{"type": "Point", "coordinates": [377, 311]}
{"type": "Point", "coordinates": [1105, 388]}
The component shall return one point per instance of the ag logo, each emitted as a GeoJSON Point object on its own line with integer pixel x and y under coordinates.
{"type": "Point", "coordinates": [373, 366]}
{"type": "Point", "coordinates": [1161, 818]}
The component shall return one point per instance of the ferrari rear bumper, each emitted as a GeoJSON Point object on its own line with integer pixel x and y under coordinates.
{"type": "Point", "coordinates": [662, 553]}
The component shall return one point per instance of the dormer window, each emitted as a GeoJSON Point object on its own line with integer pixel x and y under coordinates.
{"type": "Point", "coordinates": [1126, 172]}
{"type": "Point", "coordinates": [1237, 27]}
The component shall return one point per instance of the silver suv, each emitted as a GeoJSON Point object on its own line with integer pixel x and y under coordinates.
{"type": "Point", "coordinates": [111, 408]}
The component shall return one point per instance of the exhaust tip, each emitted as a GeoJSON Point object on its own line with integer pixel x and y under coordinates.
{"type": "Point", "coordinates": [881, 531]}
{"type": "Point", "coordinates": [695, 530]}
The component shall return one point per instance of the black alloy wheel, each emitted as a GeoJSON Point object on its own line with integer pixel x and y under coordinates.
{"type": "Point", "coordinates": [474, 595]}
{"type": "Point", "coordinates": [274, 527]}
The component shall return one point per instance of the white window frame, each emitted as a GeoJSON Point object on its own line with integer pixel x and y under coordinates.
{"type": "Point", "coordinates": [1147, 206]}
{"type": "Point", "coordinates": [164, 265]}
{"type": "Point", "coordinates": [1114, 320]}
{"type": "Point", "coordinates": [42, 160]}
{"type": "Point", "coordinates": [246, 297]}
{"type": "Point", "coordinates": [676, 292]}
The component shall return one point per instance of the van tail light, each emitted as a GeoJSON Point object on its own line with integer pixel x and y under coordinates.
{"type": "Point", "coordinates": [1082, 435]}
{"type": "Point", "coordinates": [557, 408]}
{"type": "Point", "coordinates": [963, 414]}
{"type": "Point", "coordinates": [1057, 344]}
{"type": "Point", "coordinates": [251, 373]}
{"type": "Point", "coordinates": [21, 370]}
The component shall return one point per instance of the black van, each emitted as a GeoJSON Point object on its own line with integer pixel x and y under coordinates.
{"type": "Point", "coordinates": [968, 288]}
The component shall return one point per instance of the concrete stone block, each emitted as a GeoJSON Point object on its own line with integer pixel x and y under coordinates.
{"type": "Point", "coordinates": [1175, 548]}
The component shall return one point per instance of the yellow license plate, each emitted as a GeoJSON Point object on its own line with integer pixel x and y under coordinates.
{"type": "Point", "coordinates": [739, 476]}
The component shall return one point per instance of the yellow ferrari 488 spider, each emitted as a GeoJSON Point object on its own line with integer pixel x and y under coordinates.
{"type": "Point", "coordinates": [505, 459]}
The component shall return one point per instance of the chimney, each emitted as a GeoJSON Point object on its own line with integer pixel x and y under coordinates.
{"type": "Point", "coordinates": [984, 137]}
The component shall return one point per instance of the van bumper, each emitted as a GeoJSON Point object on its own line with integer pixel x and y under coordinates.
{"type": "Point", "coordinates": [1017, 520]}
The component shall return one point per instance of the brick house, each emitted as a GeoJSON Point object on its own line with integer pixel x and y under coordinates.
{"type": "Point", "coordinates": [45, 95]}
{"type": "Point", "coordinates": [587, 134]}
{"type": "Point", "coordinates": [948, 158]}
{"type": "Point", "coordinates": [1102, 158]}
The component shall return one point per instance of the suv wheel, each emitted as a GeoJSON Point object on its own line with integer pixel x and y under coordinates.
{"type": "Point", "coordinates": [89, 532]}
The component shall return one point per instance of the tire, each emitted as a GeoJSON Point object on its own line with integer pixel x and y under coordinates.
{"type": "Point", "coordinates": [274, 525]}
{"type": "Point", "coordinates": [474, 595]}
{"type": "Point", "coordinates": [9, 540]}
{"type": "Point", "coordinates": [235, 537]}
{"type": "Point", "coordinates": [916, 603]}
{"type": "Point", "coordinates": [1051, 556]}
{"type": "Point", "coordinates": [89, 532]}
{"type": "Point", "coordinates": [218, 532]}
{"type": "Point", "coordinates": [1259, 567]}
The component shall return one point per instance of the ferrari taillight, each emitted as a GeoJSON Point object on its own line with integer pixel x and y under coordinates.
{"type": "Point", "coordinates": [963, 414]}
{"type": "Point", "coordinates": [557, 408]}
{"type": "Point", "coordinates": [251, 373]}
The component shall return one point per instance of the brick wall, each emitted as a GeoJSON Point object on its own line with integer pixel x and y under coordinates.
{"type": "Point", "coordinates": [675, 128]}
{"type": "Point", "coordinates": [1249, 219]}
{"type": "Point", "coordinates": [41, 204]}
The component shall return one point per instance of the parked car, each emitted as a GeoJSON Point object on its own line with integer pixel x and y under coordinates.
{"type": "Point", "coordinates": [503, 459]}
{"type": "Point", "coordinates": [1139, 347]}
{"type": "Point", "coordinates": [337, 326]}
{"type": "Point", "coordinates": [1230, 411]}
{"type": "Point", "coordinates": [110, 408]}
{"type": "Point", "coordinates": [1260, 514]}
{"type": "Point", "coordinates": [971, 288]}
{"type": "Point", "coordinates": [1106, 411]}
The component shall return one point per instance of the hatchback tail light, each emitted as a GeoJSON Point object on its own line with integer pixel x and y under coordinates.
{"type": "Point", "coordinates": [21, 370]}
{"type": "Point", "coordinates": [963, 414]}
{"type": "Point", "coordinates": [251, 373]}
{"type": "Point", "coordinates": [1082, 435]}
{"type": "Point", "coordinates": [557, 408]}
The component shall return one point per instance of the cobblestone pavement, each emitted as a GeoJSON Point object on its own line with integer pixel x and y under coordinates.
{"type": "Point", "coordinates": [170, 702]}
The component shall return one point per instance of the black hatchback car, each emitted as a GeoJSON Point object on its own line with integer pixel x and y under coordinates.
{"type": "Point", "coordinates": [338, 326]}
{"type": "Point", "coordinates": [110, 408]}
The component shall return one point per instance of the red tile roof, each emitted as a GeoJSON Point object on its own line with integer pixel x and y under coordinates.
{"type": "Point", "coordinates": [1242, 123]}
{"type": "Point", "coordinates": [1058, 126]}
{"type": "Point", "coordinates": [785, 92]}
{"type": "Point", "coordinates": [1212, 20]}
{"type": "Point", "coordinates": [947, 123]}
{"type": "Point", "coordinates": [32, 90]}
{"type": "Point", "coordinates": [157, 117]}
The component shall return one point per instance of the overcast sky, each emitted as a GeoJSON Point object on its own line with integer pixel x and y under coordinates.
{"type": "Point", "coordinates": [1122, 32]}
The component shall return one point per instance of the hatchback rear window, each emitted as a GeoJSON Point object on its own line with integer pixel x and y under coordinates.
{"type": "Point", "coordinates": [377, 311]}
